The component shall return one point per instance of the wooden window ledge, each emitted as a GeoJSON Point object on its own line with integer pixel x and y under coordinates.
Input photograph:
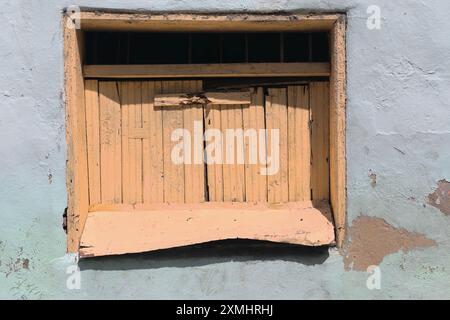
{"type": "Point", "coordinates": [123, 229]}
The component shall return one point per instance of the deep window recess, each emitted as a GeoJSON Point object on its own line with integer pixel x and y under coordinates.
{"type": "Point", "coordinates": [138, 78]}
{"type": "Point", "coordinates": [106, 48]}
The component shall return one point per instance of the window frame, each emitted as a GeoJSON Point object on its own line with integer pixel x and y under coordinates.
{"type": "Point", "coordinates": [93, 19]}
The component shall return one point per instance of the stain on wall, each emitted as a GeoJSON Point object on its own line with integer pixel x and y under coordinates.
{"type": "Point", "coordinates": [371, 239]}
{"type": "Point", "coordinates": [440, 198]}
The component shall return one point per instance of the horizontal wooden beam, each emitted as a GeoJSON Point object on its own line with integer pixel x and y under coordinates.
{"type": "Point", "coordinates": [183, 22]}
{"type": "Point", "coordinates": [207, 98]}
{"type": "Point", "coordinates": [130, 230]}
{"type": "Point", "coordinates": [316, 69]}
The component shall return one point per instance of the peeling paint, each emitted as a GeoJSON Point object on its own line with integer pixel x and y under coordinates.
{"type": "Point", "coordinates": [440, 198]}
{"type": "Point", "coordinates": [371, 239]}
{"type": "Point", "coordinates": [26, 264]}
{"type": "Point", "coordinates": [373, 179]}
{"type": "Point", "coordinates": [13, 266]}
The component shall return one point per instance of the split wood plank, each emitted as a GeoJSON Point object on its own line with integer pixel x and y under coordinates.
{"type": "Point", "coordinates": [207, 98]}
{"type": "Point", "coordinates": [152, 148]}
{"type": "Point", "coordinates": [233, 153]}
{"type": "Point", "coordinates": [320, 140]}
{"type": "Point", "coordinates": [299, 143]}
{"type": "Point", "coordinates": [174, 189]}
{"type": "Point", "coordinates": [276, 119]}
{"type": "Point", "coordinates": [255, 148]}
{"type": "Point", "coordinates": [110, 139]}
{"type": "Point", "coordinates": [214, 152]}
{"type": "Point", "coordinates": [194, 170]}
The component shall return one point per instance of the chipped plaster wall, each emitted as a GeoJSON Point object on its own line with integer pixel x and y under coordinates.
{"type": "Point", "coordinates": [398, 160]}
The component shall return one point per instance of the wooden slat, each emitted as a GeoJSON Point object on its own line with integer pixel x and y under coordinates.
{"type": "Point", "coordinates": [93, 140]}
{"type": "Point", "coordinates": [173, 173]}
{"type": "Point", "coordinates": [309, 69]}
{"type": "Point", "coordinates": [137, 163]}
{"type": "Point", "coordinates": [215, 170]}
{"type": "Point", "coordinates": [195, 172]}
{"type": "Point", "coordinates": [320, 140]}
{"type": "Point", "coordinates": [254, 119]}
{"type": "Point", "coordinates": [299, 146]}
{"type": "Point", "coordinates": [147, 95]}
{"type": "Point", "coordinates": [132, 145]}
{"type": "Point", "coordinates": [126, 158]}
{"type": "Point", "coordinates": [207, 98]}
{"type": "Point", "coordinates": [153, 161]}
{"type": "Point", "coordinates": [239, 151]}
{"type": "Point", "coordinates": [110, 139]}
{"type": "Point", "coordinates": [233, 169]}
{"type": "Point", "coordinates": [276, 119]}
{"type": "Point", "coordinates": [183, 22]}
{"type": "Point", "coordinates": [139, 231]}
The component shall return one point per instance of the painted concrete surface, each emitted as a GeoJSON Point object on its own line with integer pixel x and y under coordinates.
{"type": "Point", "coordinates": [398, 153]}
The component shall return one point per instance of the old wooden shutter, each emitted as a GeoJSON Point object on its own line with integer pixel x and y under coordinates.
{"type": "Point", "coordinates": [130, 146]}
{"type": "Point", "coordinates": [144, 200]}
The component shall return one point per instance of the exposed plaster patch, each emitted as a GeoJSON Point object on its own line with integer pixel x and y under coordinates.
{"type": "Point", "coordinates": [440, 198]}
{"type": "Point", "coordinates": [371, 239]}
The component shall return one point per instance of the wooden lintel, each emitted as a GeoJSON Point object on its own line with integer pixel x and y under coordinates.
{"type": "Point", "coordinates": [176, 22]}
{"type": "Point", "coordinates": [313, 69]}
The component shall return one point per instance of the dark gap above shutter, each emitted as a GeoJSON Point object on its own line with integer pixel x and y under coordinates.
{"type": "Point", "coordinates": [113, 48]}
